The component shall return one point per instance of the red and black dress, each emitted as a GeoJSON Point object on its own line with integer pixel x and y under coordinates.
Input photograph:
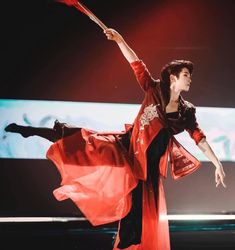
{"type": "Point", "coordinates": [118, 176]}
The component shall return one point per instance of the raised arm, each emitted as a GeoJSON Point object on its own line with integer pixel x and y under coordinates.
{"type": "Point", "coordinates": [128, 53]}
{"type": "Point", "coordinates": [141, 72]}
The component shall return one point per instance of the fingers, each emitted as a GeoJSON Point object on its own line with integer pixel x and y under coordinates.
{"type": "Point", "coordinates": [109, 36]}
{"type": "Point", "coordinates": [113, 35]}
{"type": "Point", "coordinates": [109, 30]}
{"type": "Point", "coordinates": [223, 172]}
{"type": "Point", "coordinates": [216, 177]}
{"type": "Point", "coordinates": [217, 183]}
{"type": "Point", "coordinates": [222, 181]}
{"type": "Point", "coordinates": [109, 33]}
{"type": "Point", "coordinates": [219, 177]}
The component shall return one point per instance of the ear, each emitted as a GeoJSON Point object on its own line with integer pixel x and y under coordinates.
{"type": "Point", "coordinates": [172, 78]}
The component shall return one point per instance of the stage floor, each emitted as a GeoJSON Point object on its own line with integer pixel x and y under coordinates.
{"type": "Point", "coordinates": [70, 233]}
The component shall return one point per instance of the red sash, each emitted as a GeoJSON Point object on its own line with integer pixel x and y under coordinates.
{"type": "Point", "coordinates": [182, 162]}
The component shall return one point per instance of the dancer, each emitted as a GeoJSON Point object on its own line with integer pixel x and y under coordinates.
{"type": "Point", "coordinates": [118, 176]}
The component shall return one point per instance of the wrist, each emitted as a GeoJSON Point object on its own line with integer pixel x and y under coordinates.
{"type": "Point", "coordinates": [218, 165]}
{"type": "Point", "coordinates": [120, 40]}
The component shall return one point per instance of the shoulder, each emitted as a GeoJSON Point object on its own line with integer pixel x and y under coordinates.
{"type": "Point", "coordinates": [189, 110]}
{"type": "Point", "coordinates": [189, 105]}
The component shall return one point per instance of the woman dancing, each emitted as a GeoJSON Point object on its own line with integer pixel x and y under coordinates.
{"type": "Point", "coordinates": [118, 176]}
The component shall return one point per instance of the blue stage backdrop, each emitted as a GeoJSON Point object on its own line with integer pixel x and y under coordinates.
{"type": "Point", "coordinates": [217, 123]}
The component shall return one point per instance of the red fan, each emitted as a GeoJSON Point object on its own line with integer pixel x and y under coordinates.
{"type": "Point", "coordinates": [84, 10]}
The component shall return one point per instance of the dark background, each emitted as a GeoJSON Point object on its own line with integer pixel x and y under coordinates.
{"type": "Point", "coordinates": [53, 52]}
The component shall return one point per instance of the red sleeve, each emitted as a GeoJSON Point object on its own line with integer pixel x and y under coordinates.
{"type": "Point", "coordinates": [197, 135]}
{"type": "Point", "coordinates": [193, 128]}
{"type": "Point", "coordinates": [142, 75]}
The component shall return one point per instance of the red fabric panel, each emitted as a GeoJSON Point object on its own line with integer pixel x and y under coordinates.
{"type": "Point", "coordinates": [75, 4]}
{"type": "Point", "coordinates": [182, 162]}
{"type": "Point", "coordinates": [95, 175]}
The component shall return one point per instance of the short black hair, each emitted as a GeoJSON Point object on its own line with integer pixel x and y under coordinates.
{"type": "Point", "coordinates": [174, 67]}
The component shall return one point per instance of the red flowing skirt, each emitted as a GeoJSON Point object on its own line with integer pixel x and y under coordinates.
{"type": "Point", "coordinates": [96, 175]}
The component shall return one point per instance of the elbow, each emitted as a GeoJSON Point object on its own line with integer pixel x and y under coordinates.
{"type": "Point", "coordinates": [203, 145]}
{"type": "Point", "coordinates": [198, 136]}
{"type": "Point", "coordinates": [201, 141]}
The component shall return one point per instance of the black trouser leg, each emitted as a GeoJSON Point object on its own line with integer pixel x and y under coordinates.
{"type": "Point", "coordinates": [46, 133]}
{"type": "Point", "coordinates": [131, 225]}
{"type": "Point", "coordinates": [52, 134]}
{"type": "Point", "coordinates": [156, 149]}
{"type": "Point", "coordinates": [26, 131]}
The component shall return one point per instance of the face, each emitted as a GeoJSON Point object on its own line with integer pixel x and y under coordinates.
{"type": "Point", "coordinates": [182, 83]}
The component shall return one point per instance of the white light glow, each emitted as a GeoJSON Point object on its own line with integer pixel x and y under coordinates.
{"type": "Point", "coordinates": [186, 217]}
{"type": "Point", "coordinates": [41, 219]}
{"type": "Point", "coordinates": [178, 217]}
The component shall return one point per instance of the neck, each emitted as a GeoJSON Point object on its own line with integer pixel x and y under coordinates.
{"type": "Point", "coordinates": [174, 94]}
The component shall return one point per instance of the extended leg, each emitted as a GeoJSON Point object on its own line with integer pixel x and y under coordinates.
{"type": "Point", "coordinates": [26, 131]}
{"type": "Point", "coordinates": [59, 131]}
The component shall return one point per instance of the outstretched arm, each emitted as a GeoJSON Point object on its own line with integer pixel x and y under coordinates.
{"type": "Point", "coordinates": [140, 70]}
{"type": "Point", "coordinates": [208, 152]}
{"type": "Point", "coordinates": [128, 53]}
{"type": "Point", "coordinates": [200, 139]}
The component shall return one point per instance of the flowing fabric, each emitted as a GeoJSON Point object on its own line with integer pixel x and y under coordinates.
{"type": "Point", "coordinates": [95, 175]}
{"type": "Point", "coordinates": [155, 229]}
{"type": "Point", "coordinates": [76, 4]}
{"type": "Point", "coordinates": [146, 225]}
{"type": "Point", "coordinates": [79, 6]}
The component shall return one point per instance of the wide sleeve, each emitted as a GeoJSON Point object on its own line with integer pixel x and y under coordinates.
{"type": "Point", "coordinates": [192, 126]}
{"type": "Point", "coordinates": [142, 74]}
